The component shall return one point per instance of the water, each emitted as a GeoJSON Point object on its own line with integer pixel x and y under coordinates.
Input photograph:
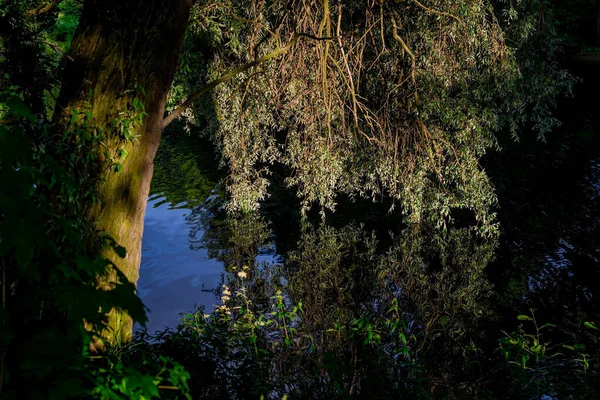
{"type": "Point", "coordinates": [187, 246]}
{"type": "Point", "coordinates": [174, 278]}
{"type": "Point", "coordinates": [453, 288]}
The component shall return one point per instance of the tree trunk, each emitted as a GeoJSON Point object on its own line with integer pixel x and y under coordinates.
{"type": "Point", "coordinates": [121, 50]}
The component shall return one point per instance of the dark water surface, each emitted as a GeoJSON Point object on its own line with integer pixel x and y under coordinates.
{"type": "Point", "coordinates": [456, 291]}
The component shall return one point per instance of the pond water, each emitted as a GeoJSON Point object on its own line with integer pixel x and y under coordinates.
{"type": "Point", "coordinates": [173, 276]}
{"type": "Point", "coordinates": [183, 265]}
{"type": "Point", "coordinates": [178, 271]}
{"type": "Point", "coordinates": [453, 287]}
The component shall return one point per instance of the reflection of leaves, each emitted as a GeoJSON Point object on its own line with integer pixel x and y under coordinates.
{"type": "Point", "coordinates": [232, 240]}
{"type": "Point", "coordinates": [185, 169]}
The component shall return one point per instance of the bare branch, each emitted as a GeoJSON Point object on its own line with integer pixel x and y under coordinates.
{"type": "Point", "coordinates": [405, 47]}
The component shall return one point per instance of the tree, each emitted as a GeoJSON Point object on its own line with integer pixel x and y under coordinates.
{"type": "Point", "coordinates": [397, 99]}
{"type": "Point", "coordinates": [121, 64]}
{"type": "Point", "coordinates": [412, 125]}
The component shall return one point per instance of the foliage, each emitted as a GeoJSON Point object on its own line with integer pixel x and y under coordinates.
{"type": "Point", "coordinates": [541, 368]}
{"type": "Point", "coordinates": [403, 100]}
{"type": "Point", "coordinates": [53, 308]}
{"type": "Point", "coordinates": [325, 325]}
{"type": "Point", "coordinates": [399, 100]}
{"type": "Point", "coordinates": [260, 341]}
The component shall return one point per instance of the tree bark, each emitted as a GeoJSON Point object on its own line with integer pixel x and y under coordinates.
{"type": "Point", "coordinates": [122, 49]}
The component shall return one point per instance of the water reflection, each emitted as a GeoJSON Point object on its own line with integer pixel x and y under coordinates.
{"type": "Point", "coordinates": [188, 243]}
{"type": "Point", "coordinates": [173, 276]}
{"type": "Point", "coordinates": [386, 308]}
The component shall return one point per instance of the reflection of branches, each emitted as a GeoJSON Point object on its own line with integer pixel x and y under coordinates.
{"type": "Point", "coordinates": [234, 240]}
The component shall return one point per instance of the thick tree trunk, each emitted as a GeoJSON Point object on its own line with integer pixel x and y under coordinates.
{"type": "Point", "coordinates": [123, 48]}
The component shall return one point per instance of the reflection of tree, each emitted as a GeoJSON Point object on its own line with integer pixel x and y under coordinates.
{"type": "Point", "coordinates": [184, 169]}
{"type": "Point", "coordinates": [367, 314]}
{"type": "Point", "coordinates": [234, 240]}
{"type": "Point", "coordinates": [436, 277]}
{"type": "Point", "coordinates": [333, 272]}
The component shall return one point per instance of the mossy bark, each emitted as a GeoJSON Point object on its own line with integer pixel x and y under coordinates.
{"type": "Point", "coordinates": [123, 50]}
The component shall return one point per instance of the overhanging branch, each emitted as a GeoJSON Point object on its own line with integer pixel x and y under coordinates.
{"type": "Point", "coordinates": [225, 78]}
{"type": "Point", "coordinates": [41, 9]}
{"type": "Point", "coordinates": [209, 86]}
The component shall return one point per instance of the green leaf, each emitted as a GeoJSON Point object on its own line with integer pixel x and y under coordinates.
{"type": "Point", "coordinates": [19, 109]}
{"type": "Point", "coordinates": [524, 318]}
{"type": "Point", "coordinates": [591, 325]}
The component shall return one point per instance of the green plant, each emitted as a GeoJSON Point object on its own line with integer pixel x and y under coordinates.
{"type": "Point", "coordinates": [544, 368]}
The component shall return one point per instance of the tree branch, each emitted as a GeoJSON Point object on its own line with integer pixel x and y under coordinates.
{"type": "Point", "coordinates": [432, 11]}
{"type": "Point", "coordinates": [405, 47]}
{"type": "Point", "coordinates": [225, 78]}
{"type": "Point", "coordinates": [41, 9]}
{"type": "Point", "coordinates": [209, 86]}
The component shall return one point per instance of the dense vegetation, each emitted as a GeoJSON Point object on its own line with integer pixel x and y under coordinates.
{"type": "Point", "coordinates": [428, 171]}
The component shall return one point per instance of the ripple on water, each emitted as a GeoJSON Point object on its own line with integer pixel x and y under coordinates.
{"type": "Point", "coordinates": [173, 277]}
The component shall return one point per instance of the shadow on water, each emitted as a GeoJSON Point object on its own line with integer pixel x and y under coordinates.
{"type": "Point", "coordinates": [549, 208]}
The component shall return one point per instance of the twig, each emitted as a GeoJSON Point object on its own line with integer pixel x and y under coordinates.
{"type": "Point", "coordinates": [406, 49]}
{"type": "Point", "coordinates": [59, 50]}
{"type": "Point", "coordinates": [227, 77]}
{"type": "Point", "coordinates": [168, 387]}
{"type": "Point", "coordinates": [41, 9]}
{"type": "Point", "coordinates": [350, 80]}
{"type": "Point", "coordinates": [432, 11]}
